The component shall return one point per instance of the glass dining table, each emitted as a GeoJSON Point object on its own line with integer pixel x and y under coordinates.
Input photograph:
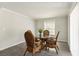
{"type": "Point", "coordinates": [44, 40]}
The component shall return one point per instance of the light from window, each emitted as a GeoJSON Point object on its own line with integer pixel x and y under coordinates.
{"type": "Point", "coordinates": [50, 25]}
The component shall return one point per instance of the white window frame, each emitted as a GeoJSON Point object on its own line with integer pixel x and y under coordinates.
{"type": "Point", "coordinates": [50, 25]}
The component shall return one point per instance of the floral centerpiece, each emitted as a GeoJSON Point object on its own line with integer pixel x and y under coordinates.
{"type": "Point", "coordinates": [40, 32]}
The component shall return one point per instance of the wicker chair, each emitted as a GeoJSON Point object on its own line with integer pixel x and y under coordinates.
{"type": "Point", "coordinates": [53, 43]}
{"type": "Point", "coordinates": [45, 33]}
{"type": "Point", "coordinates": [33, 45]}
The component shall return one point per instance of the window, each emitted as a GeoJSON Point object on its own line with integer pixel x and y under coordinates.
{"type": "Point", "coordinates": [50, 25]}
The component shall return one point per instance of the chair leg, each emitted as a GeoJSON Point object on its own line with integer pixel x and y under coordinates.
{"type": "Point", "coordinates": [46, 48]}
{"type": "Point", "coordinates": [33, 53]}
{"type": "Point", "coordinates": [58, 47]}
{"type": "Point", "coordinates": [56, 50]}
{"type": "Point", "coordinates": [25, 52]}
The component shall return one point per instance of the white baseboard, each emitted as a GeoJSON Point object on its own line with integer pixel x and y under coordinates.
{"type": "Point", "coordinates": [62, 41]}
{"type": "Point", "coordinates": [10, 46]}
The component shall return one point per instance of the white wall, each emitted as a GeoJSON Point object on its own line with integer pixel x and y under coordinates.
{"type": "Point", "coordinates": [12, 28]}
{"type": "Point", "coordinates": [61, 24]}
{"type": "Point", "coordinates": [74, 31]}
{"type": "Point", "coordinates": [38, 24]}
{"type": "Point", "coordinates": [69, 31]}
{"type": "Point", "coordinates": [71, 9]}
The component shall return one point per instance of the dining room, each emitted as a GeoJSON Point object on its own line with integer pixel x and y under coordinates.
{"type": "Point", "coordinates": [38, 29]}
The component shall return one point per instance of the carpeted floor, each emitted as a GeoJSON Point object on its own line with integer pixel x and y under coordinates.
{"type": "Point", "coordinates": [18, 50]}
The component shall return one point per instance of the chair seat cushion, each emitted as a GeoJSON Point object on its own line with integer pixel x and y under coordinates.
{"type": "Point", "coordinates": [51, 43]}
{"type": "Point", "coordinates": [36, 44]}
